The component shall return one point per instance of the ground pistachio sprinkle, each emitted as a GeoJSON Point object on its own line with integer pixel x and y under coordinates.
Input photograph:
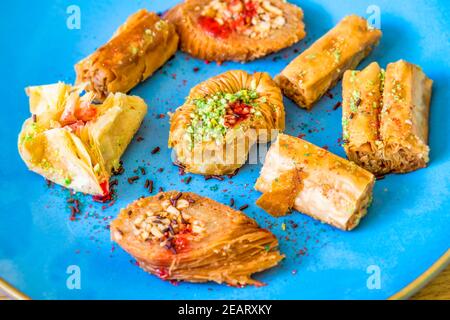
{"type": "Point", "coordinates": [213, 115]}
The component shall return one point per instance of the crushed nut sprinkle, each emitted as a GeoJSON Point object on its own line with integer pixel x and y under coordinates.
{"type": "Point", "coordinates": [133, 179]}
{"type": "Point", "coordinates": [337, 105]}
{"type": "Point", "coordinates": [253, 18]}
{"type": "Point", "coordinates": [245, 206]}
{"type": "Point", "coordinates": [215, 114]}
{"type": "Point", "coordinates": [156, 150]}
{"type": "Point", "coordinates": [168, 224]}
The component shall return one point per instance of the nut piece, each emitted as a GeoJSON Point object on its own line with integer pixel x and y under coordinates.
{"type": "Point", "coordinates": [182, 204]}
{"type": "Point", "coordinates": [172, 210]}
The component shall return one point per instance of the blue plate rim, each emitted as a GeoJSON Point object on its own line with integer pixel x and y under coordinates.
{"type": "Point", "coordinates": [406, 292]}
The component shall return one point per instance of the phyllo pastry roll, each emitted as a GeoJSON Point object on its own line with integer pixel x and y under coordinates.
{"type": "Point", "coordinates": [239, 30]}
{"type": "Point", "coordinates": [73, 142]}
{"type": "Point", "coordinates": [361, 107]}
{"type": "Point", "coordinates": [321, 184]}
{"type": "Point", "coordinates": [222, 118]}
{"type": "Point", "coordinates": [186, 237]}
{"type": "Point", "coordinates": [385, 117]}
{"type": "Point", "coordinates": [404, 117]}
{"type": "Point", "coordinates": [137, 49]}
{"type": "Point", "coordinates": [319, 67]}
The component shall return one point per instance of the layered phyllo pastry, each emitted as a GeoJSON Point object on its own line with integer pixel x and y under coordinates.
{"type": "Point", "coordinates": [299, 175]}
{"type": "Point", "coordinates": [137, 49]}
{"type": "Point", "coordinates": [183, 236]}
{"type": "Point", "coordinates": [222, 118]}
{"type": "Point", "coordinates": [318, 68]}
{"type": "Point", "coordinates": [73, 142]}
{"type": "Point", "coordinates": [385, 117]}
{"type": "Point", "coordinates": [238, 30]}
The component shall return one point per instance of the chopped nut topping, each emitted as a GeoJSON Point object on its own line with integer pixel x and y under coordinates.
{"type": "Point", "coordinates": [166, 224]}
{"type": "Point", "coordinates": [253, 18]}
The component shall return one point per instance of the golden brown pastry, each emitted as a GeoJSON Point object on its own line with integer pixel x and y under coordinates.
{"type": "Point", "coordinates": [222, 118]}
{"type": "Point", "coordinates": [327, 187]}
{"type": "Point", "coordinates": [183, 236]}
{"type": "Point", "coordinates": [318, 68]}
{"type": "Point", "coordinates": [404, 117]}
{"type": "Point", "coordinates": [385, 117]}
{"type": "Point", "coordinates": [238, 30]}
{"type": "Point", "coordinates": [138, 48]}
{"type": "Point", "coordinates": [361, 106]}
{"type": "Point", "coordinates": [73, 142]}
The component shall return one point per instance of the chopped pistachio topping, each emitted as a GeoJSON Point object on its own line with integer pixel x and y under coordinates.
{"type": "Point", "coordinates": [208, 117]}
{"type": "Point", "coordinates": [337, 55]}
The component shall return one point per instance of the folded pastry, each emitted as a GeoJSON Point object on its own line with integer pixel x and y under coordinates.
{"type": "Point", "coordinates": [239, 30]}
{"type": "Point", "coordinates": [73, 142]}
{"type": "Point", "coordinates": [137, 49]}
{"type": "Point", "coordinates": [222, 118]}
{"type": "Point", "coordinates": [319, 67]}
{"type": "Point", "coordinates": [323, 185]}
{"type": "Point", "coordinates": [183, 236]}
{"type": "Point", "coordinates": [385, 117]}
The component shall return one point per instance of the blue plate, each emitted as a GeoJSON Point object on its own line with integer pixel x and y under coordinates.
{"type": "Point", "coordinates": [41, 250]}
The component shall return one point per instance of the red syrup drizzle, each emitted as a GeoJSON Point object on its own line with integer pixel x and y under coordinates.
{"type": "Point", "coordinates": [107, 193]}
{"type": "Point", "coordinates": [180, 243]}
{"type": "Point", "coordinates": [212, 27]}
{"type": "Point", "coordinates": [237, 112]}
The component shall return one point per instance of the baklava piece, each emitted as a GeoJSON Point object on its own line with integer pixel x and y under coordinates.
{"type": "Point", "coordinates": [138, 48]}
{"type": "Point", "coordinates": [322, 185]}
{"type": "Point", "coordinates": [238, 30]}
{"type": "Point", "coordinates": [385, 117]}
{"type": "Point", "coordinates": [318, 68]}
{"type": "Point", "coordinates": [186, 237]}
{"type": "Point", "coordinates": [222, 118]}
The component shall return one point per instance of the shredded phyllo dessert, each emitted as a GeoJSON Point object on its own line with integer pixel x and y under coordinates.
{"type": "Point", "coordinates": [239, 30]}
{"type": "Point", "coordinates": [186, 237]}
{"type": "Point", "coordinates": [213, 131]}
{"type": "Point", "coordinates": [72, 141]}
{"type": "Point", "coordinates": [299, 175]}
{"type": "Point", "coordinates": [138, 48]}
{"type": "Point", "coordinates": [385, 117]}
{"type": "Point", "coordinates": [318, 68]}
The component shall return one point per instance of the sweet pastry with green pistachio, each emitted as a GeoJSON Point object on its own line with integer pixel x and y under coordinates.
{"type": "Point", "coordinates": [222, 118]}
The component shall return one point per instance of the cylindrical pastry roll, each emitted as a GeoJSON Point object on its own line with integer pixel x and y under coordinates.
{"type": "Point", "coordinates": [318, 68]}
{"type": "Point", "coordinates": [138, 48]}
{"type": "Point", "coordinates": [183, 236]}
{"type": "Point", "coordinates": [213, 131]}
{"type": "Point", "coordinates": [73, 142]}
{"type": "Point", "coordinates": [361, 107]}
{"type": "Point", "coordinates": [327, 187]}
{"type": "Point", "coordinates": [404, 117]}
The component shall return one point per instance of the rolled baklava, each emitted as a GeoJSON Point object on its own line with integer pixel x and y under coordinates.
{"type": "Point", "coordinates": [186, 237]}
{"type": "Point", "coordinates": [319, 67]}
{"type": "Point", "coordinates": [307, 178]}
{"type": "Point", "coordinates": [137, 49]}
{"type": "Point", "coordinates": [238, 30]}
{"type": "Point", "coordinates": [385, 117]}
{"type": "Point", "coordinates": [361, 106]}
{"type": "Point", "coordinates": [75, 143]}
{"type": "Point", "coordinates": [404, 117]}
